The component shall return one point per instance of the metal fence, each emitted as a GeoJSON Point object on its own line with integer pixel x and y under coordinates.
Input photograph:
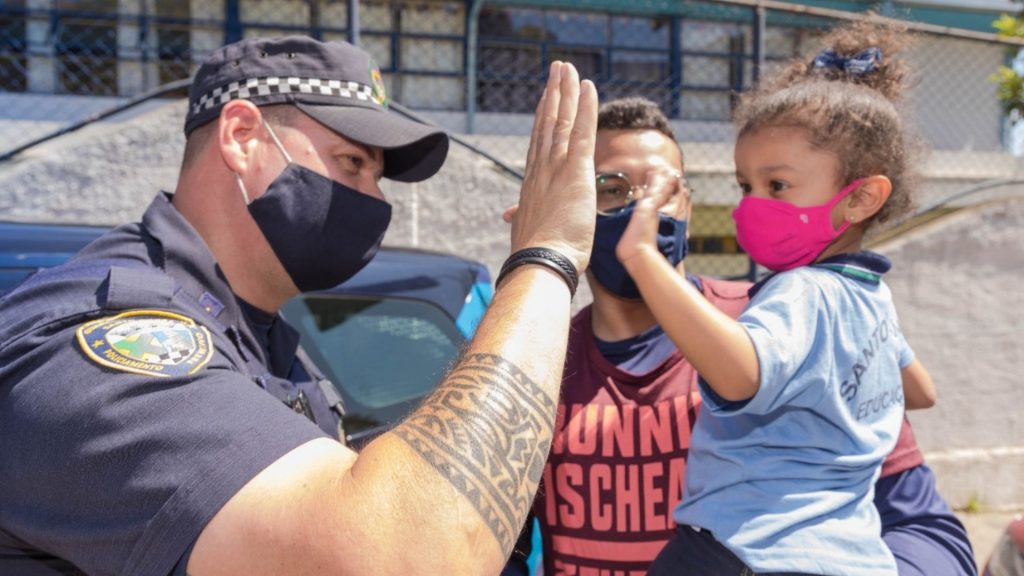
{"type": "Point", "coordinates": [476, 67]}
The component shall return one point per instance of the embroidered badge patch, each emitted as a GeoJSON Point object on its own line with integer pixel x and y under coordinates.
{"type": "Point", "coordinates": [149, 342]}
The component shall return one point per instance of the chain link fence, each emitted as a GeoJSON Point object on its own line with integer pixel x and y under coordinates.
{"type": "Point", "coordinates": [477, 68]}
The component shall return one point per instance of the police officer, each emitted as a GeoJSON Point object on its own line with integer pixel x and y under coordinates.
{"type": "Point", "coordinates": [156, 413]}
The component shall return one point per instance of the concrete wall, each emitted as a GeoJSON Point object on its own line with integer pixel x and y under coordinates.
{"type": "Point", "coordinates": [103, 174]}
{"type": "Point", "coordinates": [957, 283]}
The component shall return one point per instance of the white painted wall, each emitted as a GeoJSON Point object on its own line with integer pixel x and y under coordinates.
{"type": "Point", "coordinates": [958, 289]}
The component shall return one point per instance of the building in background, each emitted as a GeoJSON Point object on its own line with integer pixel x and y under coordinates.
{"type": "Point", "coordinates": [691, 57]}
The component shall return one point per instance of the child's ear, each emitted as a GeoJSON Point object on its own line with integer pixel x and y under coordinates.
{"type": "Point", "coordinates": [867, 199]}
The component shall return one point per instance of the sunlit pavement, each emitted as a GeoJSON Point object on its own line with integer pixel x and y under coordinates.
{"type": "Point", "coordinates": [984, 529]}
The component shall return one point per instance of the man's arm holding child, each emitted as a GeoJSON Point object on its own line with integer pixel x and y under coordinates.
{"type": "Point", "coordinates": [918, 389]}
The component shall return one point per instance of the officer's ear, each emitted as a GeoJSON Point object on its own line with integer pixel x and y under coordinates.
{"type": "Point", "coordinates": [238, 130]}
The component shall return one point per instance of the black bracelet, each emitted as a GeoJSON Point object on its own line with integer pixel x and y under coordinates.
{"type": "Point", "coordinates": [545, 257]}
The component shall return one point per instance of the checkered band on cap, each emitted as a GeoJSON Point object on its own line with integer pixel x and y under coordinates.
{"type": "Point", "coordinates": [256, 87]}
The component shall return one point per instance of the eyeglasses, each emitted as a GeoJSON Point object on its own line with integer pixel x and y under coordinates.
{"type": "Point", "coordinates": [615, 192]}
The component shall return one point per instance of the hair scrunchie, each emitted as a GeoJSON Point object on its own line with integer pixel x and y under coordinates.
{"type": "Point", "coordinates": [861, 63]}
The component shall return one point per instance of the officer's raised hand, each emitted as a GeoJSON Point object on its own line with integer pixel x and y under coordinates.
{"type": "Point", "coordinates": [557, 202]}
{"type": "Point", "coordinates": [447, 491]}
{"type": "Point", "coordinates": [173, 453]}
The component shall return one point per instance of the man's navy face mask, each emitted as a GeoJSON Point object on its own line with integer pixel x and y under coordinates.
{"type": "Point", "coordinates": [605, 266]}
{"type": "Point", "coordinates": [322, 231]}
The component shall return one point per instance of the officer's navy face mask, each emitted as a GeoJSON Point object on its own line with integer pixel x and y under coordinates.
{"type": "Point", "coordinates": [322, 231]}
{"type": "Point", "coordinates": [605, 266]}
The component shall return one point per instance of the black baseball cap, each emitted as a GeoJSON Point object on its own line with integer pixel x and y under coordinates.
{"type": "Point", "coordinates": [335, 83]}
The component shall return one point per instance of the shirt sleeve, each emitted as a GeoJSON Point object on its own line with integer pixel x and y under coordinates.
{"type": "Point", "coordinates": [119, 472]}
{"type": "Point", "coordinates": [906, 353]}
{"type": "Point", "coordinates": [782, 321]}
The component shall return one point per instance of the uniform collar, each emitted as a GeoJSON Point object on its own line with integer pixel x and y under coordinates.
{"type": "Point", "coordinates": [864, 266]}
{"type": "Point", "coordinates": [187, 259]}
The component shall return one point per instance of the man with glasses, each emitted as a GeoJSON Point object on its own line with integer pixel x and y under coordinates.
{"type": "Point", "coordinates": [615, 471]}
{"type": "Point", "coordinates": [629, 398]}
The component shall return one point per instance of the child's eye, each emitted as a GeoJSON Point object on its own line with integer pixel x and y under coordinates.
{"type": "Point", "coordinates": [744, 188]}
{"type": "Point", "coordinates": [777, 186]}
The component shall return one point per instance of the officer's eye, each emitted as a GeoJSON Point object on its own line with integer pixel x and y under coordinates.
{"type": "Point", "coordinates": [352, 163]}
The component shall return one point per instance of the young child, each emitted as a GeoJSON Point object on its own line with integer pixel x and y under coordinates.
{"type": "Point", "coordinates": [804, 393]}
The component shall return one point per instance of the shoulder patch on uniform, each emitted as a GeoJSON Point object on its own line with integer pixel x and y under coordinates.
{"type": "Point", "coordinates": [148, 342]}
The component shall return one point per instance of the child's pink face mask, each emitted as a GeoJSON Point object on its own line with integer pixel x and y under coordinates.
{"type": "Point", "coordinates": [781, 236]}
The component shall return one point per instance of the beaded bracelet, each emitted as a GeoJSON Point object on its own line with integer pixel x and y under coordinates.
{"type": "Point", "coordinates": [545, 257]}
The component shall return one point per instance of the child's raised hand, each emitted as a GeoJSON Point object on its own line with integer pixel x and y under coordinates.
{"type": "Point", "coordinates": [663, 188]}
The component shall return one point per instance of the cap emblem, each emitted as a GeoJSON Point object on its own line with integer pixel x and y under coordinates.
{"type": "Point", "coordinates": [379, 92]}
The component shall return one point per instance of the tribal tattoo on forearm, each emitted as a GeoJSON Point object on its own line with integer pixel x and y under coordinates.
{"type": "Point", "coordinates": [487, 430]}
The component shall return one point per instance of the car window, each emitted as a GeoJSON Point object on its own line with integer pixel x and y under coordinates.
{"type": "Point", "coordinates": [378, 351]}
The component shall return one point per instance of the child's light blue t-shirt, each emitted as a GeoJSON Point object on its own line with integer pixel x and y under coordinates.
{"type": "Point", "coordinates": [786, 479]}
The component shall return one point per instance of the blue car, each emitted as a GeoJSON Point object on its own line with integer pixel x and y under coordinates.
{"type": "Point", "coordinates": [385, 337]}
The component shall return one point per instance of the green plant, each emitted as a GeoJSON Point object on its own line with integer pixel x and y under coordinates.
{"type": "Point", "coordinates": [1009, 90]}
{"type": "Point", "coordinates": [1011, 26]}
{"type": "Point", "coordinates": [1009, 83]}
{"type": "Point", "coordinates": [974, 505]}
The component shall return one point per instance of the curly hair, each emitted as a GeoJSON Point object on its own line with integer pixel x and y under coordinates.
{"type": "Point", "coordinates": [635, 113]}
{"type": "Point", "coordinates": [855, 116]}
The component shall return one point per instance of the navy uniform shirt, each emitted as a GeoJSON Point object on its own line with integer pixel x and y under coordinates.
{"type": "Point", "coordinates": [134, 402]}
